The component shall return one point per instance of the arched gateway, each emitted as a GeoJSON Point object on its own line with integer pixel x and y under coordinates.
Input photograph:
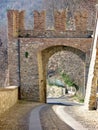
{"type": "Point", "coordinates": [43, 58]}
{"type": "Point", "coordinates": [30, 50]}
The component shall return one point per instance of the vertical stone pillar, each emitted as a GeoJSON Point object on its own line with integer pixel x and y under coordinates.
{"type": "Point", "coordinates": [39, 21]}
{"type": "Point", "coordinates": [90, 98]}
{"type": "Point", "coordinates": [60, 20]}
{"type": "Point", "coordinates": [13, 30]}
{"type": "Point", "coordinates": [81, 21]}
{"type": "Point", "coordinates": [42, 78]}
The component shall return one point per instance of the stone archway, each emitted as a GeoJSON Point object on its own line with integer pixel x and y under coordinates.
{"type": "Point", "coordinates": [43, 58]}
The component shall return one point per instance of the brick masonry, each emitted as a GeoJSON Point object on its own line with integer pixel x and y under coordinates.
{"type": "Point", "coordinates": [32, 68]}
{"type": "Point", "coordinates": [29, 53]}
{"type": "Point", "coordinates": [60, 20]}
{"type": "Point", "coordinates": [39, 20]}
{"type": "Point", "coordinates": [71, 7]}
{"type": "Point", "coordinates": [81, 20]}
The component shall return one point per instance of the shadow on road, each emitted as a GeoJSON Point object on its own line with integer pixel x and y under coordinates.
{"type": "Point", "coordinates": [62, 101]}
{"type": "Point", "coordinates": [54, 103]}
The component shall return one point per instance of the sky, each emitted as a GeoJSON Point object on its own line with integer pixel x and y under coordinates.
{"type": "Point", "coordinates": [28, 5]}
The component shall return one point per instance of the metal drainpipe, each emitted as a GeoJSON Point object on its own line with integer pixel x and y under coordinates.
{"type": "Point", "coordinates": [19, 76]}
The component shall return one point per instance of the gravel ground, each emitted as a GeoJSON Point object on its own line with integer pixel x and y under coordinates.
{"type": "Point", "coordinates": [89, 119]}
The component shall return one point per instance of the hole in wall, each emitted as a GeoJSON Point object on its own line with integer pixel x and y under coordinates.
{"type": "Point", "coordinates": [26, 54]}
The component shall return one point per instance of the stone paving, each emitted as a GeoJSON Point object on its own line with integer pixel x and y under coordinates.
{"type": "Point", "coordinates": [17, 118]}
{"type": "Point", "coordinates": [50, 120]}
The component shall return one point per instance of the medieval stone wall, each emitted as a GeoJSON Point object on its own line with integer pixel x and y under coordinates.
{"type": "Point", "coordinates": [29, 51]}
{"type": "Point", "coordinates": [39, 21]}
{"type": "Point", "coordinates": [29, 63]}
{"type": "Point", "coordinates": [15, 23]}
{"type": "Point", "coordinates": [29, 71]}
{"type": "Point", "coordinates": [3, 66]}
{"type": "Point", "coordinates": [71, 7]}
{"type": "Point", "coordinates": [60, 20]}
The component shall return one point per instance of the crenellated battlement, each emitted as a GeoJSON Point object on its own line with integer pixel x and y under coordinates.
{"type": "Point", "coordinates": [81, 20]}
{"type": "Point", "coordinates": [16, 24]}
{"type": "Point", "coordinates": [39, 21]}
{"type": "Point", "coordinates": [60, 20]}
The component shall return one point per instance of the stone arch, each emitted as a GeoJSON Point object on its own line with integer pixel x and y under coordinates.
{"type": "Point", "coordinates": [43, 58]}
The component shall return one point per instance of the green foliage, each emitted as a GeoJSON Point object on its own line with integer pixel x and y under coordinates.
{"type": "Point", "coordinates": [76, 86]}
{"type": "Point", "coordinates": [78, 98]}
{"type": "Point", "coordinates": [27, 35]}
{"type": "Point", "coordinates": [68, 81]}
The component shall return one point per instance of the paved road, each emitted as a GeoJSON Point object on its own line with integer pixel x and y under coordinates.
{"type": "Point", "coordinates": [33, 116]}
{"type": "Point", "coordinates": [50, 121]}
{"type": "Point", "coordinates": [49, 116]}
{"type": "Point", "coordinates": [62, 101]}
{"type": "Point", "coordinates": [64, 116]}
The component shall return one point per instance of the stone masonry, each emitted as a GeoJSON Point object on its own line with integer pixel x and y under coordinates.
{"type": "Point", "coordinates": [29, 50]}
{"type": "Point", "coordinates": [39, 21]}
{"type": "Point", "coordinates": [60, 20]}
{"type": "Point", "coordinates": [71, 62]}
{"type": "Point", "coordinates": [8, 98]}
{"type": "Point", "coordinates": [92, 82]}
{"type": "Point", "coordinates": [79, 19]}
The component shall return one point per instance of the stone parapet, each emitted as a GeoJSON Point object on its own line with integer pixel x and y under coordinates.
{"type": "Point", "coordinates": [8, 97]}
